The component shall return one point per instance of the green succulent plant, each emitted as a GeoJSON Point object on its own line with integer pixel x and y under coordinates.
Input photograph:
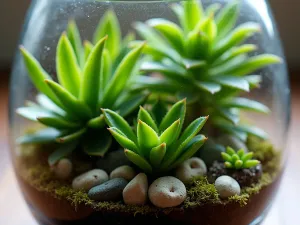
{"type": "Point", "coordinates": [238, 160]}
{"type": "Point", "coordinates": [87, 81]}
{"type": "Point", "coordinates": [157, 144]}
{"type": "Point", "coordinates": [205, 60]}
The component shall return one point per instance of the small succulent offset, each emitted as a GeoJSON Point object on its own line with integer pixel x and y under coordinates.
{"type": "Point", "coordinates": [238, 160]}
{"type": "Point", "coordinates": [70, 108]}
{"type": "Point", "coordinates": [205, 60]}
{"type": "Point", "coordinates": [157, 146]}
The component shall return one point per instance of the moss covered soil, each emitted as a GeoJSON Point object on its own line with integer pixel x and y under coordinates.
{"type": "Point", "coordinates": [33, 168]}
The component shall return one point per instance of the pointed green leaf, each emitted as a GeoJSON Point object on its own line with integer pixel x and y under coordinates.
{"type": "Point", "coordinates": [71, 137]}
{"type": "Point", "coordinates": [230, 151]}
{"type": "Point", "coordinates": [170, 31]}
{"type": "Point", "coordinates": [147, 137]}
{"type": "Point", "coordinates": [194, 145]}
{"type": "Point", "coordinates": [194, 64]}
{"type": "Point", "coordinates": [105, 72]}
{"type": "Point", "coordinates": [157, 154]}
{"type": "Point", "coordinates": [227, 18]}
{"type": "Point", "coordinates": [32, 112]}
{"type": "Point", "coordinates": [255, 63]}
{"type": "Point", "coordinates": [130, 104]}
{"type": "Point", "coordinates": [121, 76]}
{"type": "Point", "coordinates": [115, 120]}
{"type": "Point", "coordinates": [139, 161]}
{"type": "Point", "coordinates": [236, 51]}
{"type": "Point", "coordinates": [159, 110]}
{"type": "Point", "coordinates": [246, 104]}
{"type": "Point", "coordinates": [49, 105]}
{"type": "Point", "coordinates": [58, 122]}
{"type": "Point", "coordinates": [236, 37]}
{"type": "Point", "coordinates": [226, 157]}
{"type": "Point", "coordinates": [189, 133]}
{"type": "Point", "coordinates": [238, 164]}
{"type": "Point", "coordinates": [88, 47]}
{"type": "Point", "coordinates": [144, 116]}
{"type": "Point", "coordinates": [109, 25]}
{"type": "Point", "coordinates": [61, 152]}
{"type": "Point", "coordinates": [247, 156]}
{"type": "Point", "coordinates": [75, 40]}
{"type": "Point", "coordinates": [176, 112]}
{"type": "Point", "coordinates": [193, 13]}
{"type": "Point", "coordinates": [123, 140]}
{"type": "Point", "coordinates": [155, 43]}
{"type": "Point", "coordinates": [97, 123]}
{"type": "Point", "coordinates": [197, 45]}
{"type": "Point", "coordinates": [178, 10]}
{"type": "Point", "coordinates": [89, 90]}
{"type": "Point", "coordinates": [170, 134]}
{"type": "Point", "coordinates": [232, 82]}
{"type": "Point", "coordinates": [70, 103]}
{"type": "Point", "coordinates": [37, 75]}
{"type": "Point", "coordinates": [155, 84]}
{"type": "Point", "coordinates": [41, 136]}
{"type": "Point", "coordinates": [210, 87]}
{"type": "Point", "coordinates": [228, 165]}
{"type": "Point", "coordinates": [235, 158]}
{"type": "Point", "coordinates": [227, 68]}
{"type": "Point", "coordinates": [251, 163]}
{"type": "Point", "coordinates": [97, 144]}
{"type": "Point", "coordinates": [252, 130]}
{"type": "Point", "coordinates": [241, 153]}
{"type": "Point", "coordinates": [68, 71]}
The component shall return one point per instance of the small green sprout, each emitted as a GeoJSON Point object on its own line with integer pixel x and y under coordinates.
{"type": "Point", "coordinates": [238, 160]}
{"type": "Point", "coordinates": [157, 147]}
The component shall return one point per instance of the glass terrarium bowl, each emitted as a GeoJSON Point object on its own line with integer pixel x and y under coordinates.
{"type": "Point", "coordinates": [85, 152]}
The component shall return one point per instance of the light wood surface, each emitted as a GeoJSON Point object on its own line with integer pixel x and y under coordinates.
{"type": "Point", "coordinates": [285, 211]}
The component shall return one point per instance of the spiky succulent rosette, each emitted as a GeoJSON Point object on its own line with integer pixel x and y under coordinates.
{"type": "Point", "coordinates": [205, 59]}
{"type": "Point", "coordinates": [158, 144]}
{"type": "Point", "coordinates": [70, 108]}
{"type": "Point", "coordinates": [238, 160]}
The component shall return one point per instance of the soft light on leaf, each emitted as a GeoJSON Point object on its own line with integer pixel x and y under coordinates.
{"type": "Point", "coordinates": [157, 154]}
{"type": "Point", "coordinates": [109, 25]}
{"type": "Point", "coordinates": [90, 85]}
{"type": "Point", "coordinates": [113, 119]}
{"type": "Point", "coordinates": [145, 116]}
{"type": "Point", "coordinates": [123, 140]}
{"type": "Point", "coordinates": [75, 40]}
{"type": "Point", "coordinates": [147, 137]}
{"type": "Point", "coordinates": [37, 75]}
{"type": "Point", "coordinates": [68, 70]}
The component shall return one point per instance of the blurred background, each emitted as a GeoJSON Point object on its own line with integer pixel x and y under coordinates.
{"type": "Point", "coordinates": [286, 12]}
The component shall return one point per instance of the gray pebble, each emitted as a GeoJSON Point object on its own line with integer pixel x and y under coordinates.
{"type": "Point", "coordinates": [193, 167]}
{"type": "Point", "coordinates": [135, 193]}
{"type": "Point", "coordinates": [167, 192]}
{"type": "Point", "coordinates": [211, 152]}
{"type": "Point", "coordinates": [232, 141]}
{"type": "Point", "coordinates": [125, 172]}
{"type": "Point", "coordinates": [89, 179]}
{"type": "Point", "coordinates": [227, 186]}
{"type": "Point", "coordinates": [109, 191]}
{"type": "Point", "coordinates": [112, 160]}
{"type": "Point", "coordinates": [62, 169]}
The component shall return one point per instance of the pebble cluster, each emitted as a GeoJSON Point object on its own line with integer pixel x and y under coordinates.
{"type": "Point", "coordinates": [122, 183]}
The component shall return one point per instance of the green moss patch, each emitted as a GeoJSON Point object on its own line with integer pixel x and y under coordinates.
{"type": "Point", "coordinates": [34, 169]}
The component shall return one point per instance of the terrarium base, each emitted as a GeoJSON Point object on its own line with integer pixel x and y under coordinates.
{"type": "Point", "coordinates": [50, 210]}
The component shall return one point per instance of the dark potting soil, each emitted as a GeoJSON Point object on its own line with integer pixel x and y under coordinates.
{"type": "Point", "coordinates": [51, 211]}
